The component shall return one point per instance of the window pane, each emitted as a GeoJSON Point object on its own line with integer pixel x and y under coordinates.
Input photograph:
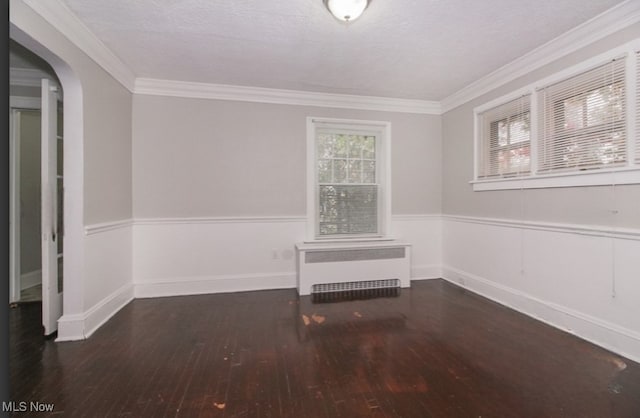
{"type": "Point", "coordinates": [324, 171]}
{"type": "Point", "coordinates": [341, 146]}
{"type": "Point", "coordinates": [519, 129]}
{"type": "Point", "coordinates": [503, 133]}
{"type": "Point", "coordinates": [355, 146]}
{"type": "Point", "coordinates": [324, 144]}
{"type": "Point", "coordinates": [505, 138]}
{"type": "Point", "coordinates": [584, 121]}
{"type": "Point", "coordinates": [573, 114]}
{"type": "Point", "coordinates": [355, 171]}
{"type": "Point", "coordinates": [339, 171]}
{"type": "Point", "coordinates": [348, 209]}
{"type": "Point", "coordinates": [369, 172]}
{"type": "Point", "coordinates": [369, 147]}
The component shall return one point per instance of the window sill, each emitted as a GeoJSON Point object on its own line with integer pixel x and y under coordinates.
{"type": "Point", "coordinates": [354, 240]}
{"type": "Point", "coordinates": [346, 244]}
{"type": "Point", "coordinates": [585, 178]}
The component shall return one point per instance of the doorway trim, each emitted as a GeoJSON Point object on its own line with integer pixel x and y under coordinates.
{"type": "Point", "coordinates": [69, 327]}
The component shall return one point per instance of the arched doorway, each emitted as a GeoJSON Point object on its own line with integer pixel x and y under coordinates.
{"type": "Point", "coordinates": [71, 172]}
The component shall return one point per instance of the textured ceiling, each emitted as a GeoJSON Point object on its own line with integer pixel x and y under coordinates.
{"type": "Point", "coordinates": [414, 49]}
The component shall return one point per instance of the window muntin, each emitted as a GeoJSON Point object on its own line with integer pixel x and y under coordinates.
{"type": "Point", "coordinates": [586, 135]}
{"type": "Point", "coordinates": [584, 122]}
{"type": "Point", "coordinates": [505, 140]}
{"type": "Point", "coordinates": [348, 198]}
{"type": "Point", "coordinates": [348, 179]}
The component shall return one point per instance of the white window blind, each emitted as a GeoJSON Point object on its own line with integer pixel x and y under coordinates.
{"type": "Point", "coordinates": [347, 183]}
{"type": "Point", "coordinates": [505, 140]}
{"type": "Point", "coordinates": [583, 121]}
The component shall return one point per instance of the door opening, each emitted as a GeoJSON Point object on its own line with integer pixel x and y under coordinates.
{"type": "Point", "coordinates": [37, 184]}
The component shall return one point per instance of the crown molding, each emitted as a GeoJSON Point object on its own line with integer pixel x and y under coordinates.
{"type": "Point", "coordinates": [615, 19]}
{"type": "Point", "coordinates": [58, 14]}
{"type": "Point", "coordinates": [155, 87]}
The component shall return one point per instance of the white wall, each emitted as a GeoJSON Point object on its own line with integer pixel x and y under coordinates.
{"type": "Point", "coordinates": [219, 186]}
{"type": "Point", "coordinates": [555, 254]}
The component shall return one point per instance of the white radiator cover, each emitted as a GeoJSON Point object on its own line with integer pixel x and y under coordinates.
{"type": "Point", "coordinates": [321, 263]}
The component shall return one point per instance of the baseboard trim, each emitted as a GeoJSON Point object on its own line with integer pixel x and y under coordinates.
{"type": "Point", "coordinates": [594, 330]}
{"type": "Point", "coordinates": [81, 326]}
{"type": "Point", "coordinates": [184, 286]}
{"type": "Point", "coordinates": [30, 279]}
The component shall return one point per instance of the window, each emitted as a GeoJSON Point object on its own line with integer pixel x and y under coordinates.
{"type": "Point", "coordinates": [506, 147]}
{"type": "Point", "coordinates": [584, 122]}
{"type": "Point", "coordinates": [347, 177]}
{"type": "Point", "coordinates": [575, 128]}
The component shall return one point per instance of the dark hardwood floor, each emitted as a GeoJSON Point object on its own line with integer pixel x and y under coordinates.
{"type": "Point", "coordinates": [434, 351]}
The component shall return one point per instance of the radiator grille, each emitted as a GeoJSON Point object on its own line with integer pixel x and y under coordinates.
{"type": "Point", "coordinates": [359, 285]}
{"type": "Point", "coordinates": [351, 295]}
{"type": "Point", "coordinates": [354, 255]}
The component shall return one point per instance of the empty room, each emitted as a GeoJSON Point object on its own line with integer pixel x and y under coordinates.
{"type": "Point", "coordinates": [324, 208]}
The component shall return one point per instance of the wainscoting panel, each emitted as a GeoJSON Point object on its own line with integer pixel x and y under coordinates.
{"type": "Point", "coordinates": [582, 280]}
{"type": "Point", "coordinates": [208, 255]}
{"type": "Point", "coordinates": [107, 279]}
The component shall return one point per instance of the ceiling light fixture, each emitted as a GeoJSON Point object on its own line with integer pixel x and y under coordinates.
{"type": "Point", "coordinates": [346, 10]}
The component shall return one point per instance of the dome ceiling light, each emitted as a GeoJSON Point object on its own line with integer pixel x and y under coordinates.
{"type": "Point", "coordinates": [346, 10]}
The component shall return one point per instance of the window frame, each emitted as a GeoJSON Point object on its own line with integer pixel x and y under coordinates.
{"type": "Point", "coordinates": [483, 153]}
{"type": "Point", "coordinates": [382, 131]}
{"type": "Point", "coordinates": [625, 173]}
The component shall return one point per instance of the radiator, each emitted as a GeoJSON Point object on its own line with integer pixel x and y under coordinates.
{"type": "Point", "coordinates": [332, 267]}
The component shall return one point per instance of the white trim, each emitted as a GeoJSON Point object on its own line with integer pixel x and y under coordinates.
{"type": "Point", "coordinates": [182, 286]}
{"type": "Point", "coordinates": [573, 179]}
{"type": "Point", "coordinates": [209, 91]}
{"type": "Point", "coordinates": [591, 230]}
{"type": "Point", "coordinates": [107, 226]}
{"type": "Point", "coordinates": [615, 19]}
{"type": "Point", "coordinates": [24, 102]}
{"type": "Point", "coordinates": [629, 174]}
{"type": "Point", "coordinates": [74, 268]}
{"type": "Point", "coordinates": [566, 319]}
{"type": "Point", "coordinates": [14, 206]}
{"type": "Point", "coordinates": [58, 14]}
{"type": "Point", "coordinates": [347, 244]}
{"type": "Point", "coordinates": [29, 77]}
{"type": "Point", "coordinates": [216, 220]}
{"type": "Point", "coordinates": [124, 223]}
{"type": "Point", "coordinates": [31, 279]}
{"type": "Point", "coordinates": [81, 326]}
{"type": "Point", "coordinates": [382, 131]}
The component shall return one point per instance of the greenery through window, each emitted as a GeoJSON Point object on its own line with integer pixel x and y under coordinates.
{"type": "Point", "coordinates": [346, 173]}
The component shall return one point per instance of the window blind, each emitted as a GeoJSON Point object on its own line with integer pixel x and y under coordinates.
{"type": "Point", "coordinates": [348, 209]}
{"type": "Point", "coordinates": [505, 140]}
{"type": "Point", "coordinates": [584, 121]}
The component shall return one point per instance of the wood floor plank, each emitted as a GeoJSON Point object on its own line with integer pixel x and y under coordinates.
{"type": "Point", "coordinates": [433, 351]}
